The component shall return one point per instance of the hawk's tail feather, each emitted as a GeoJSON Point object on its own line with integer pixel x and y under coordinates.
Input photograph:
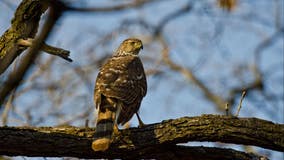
{"type": "Point", "coordinates": [101, 144]}
{"type": "Point", "coordinates": [104, 128]}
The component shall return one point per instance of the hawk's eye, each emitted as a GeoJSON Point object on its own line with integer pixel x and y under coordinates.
{"type": "Point", "coordinates": [132, 43]}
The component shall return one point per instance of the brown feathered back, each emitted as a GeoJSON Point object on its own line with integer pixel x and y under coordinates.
{"type": "Point", "coordinates": [120, 87]}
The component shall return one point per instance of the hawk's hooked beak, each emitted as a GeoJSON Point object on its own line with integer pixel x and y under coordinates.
{"type": "Point", "coordinates": [139, 46]}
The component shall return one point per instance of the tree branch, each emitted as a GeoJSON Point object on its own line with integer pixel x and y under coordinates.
{"type": "Point", "coordinates": [143, 142]}
{"type": "Point", "coordinates": [47, 48]}
{"type": "Point", "coordinates": [15, 77]}
{"type": "Point", "coordinates": [24, 25]}
{"type": "Point", "coordinates": [187, 72]}
{"type": "Point", "coordinates": [133, 4]}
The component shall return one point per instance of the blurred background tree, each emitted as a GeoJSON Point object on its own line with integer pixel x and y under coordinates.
{"type": "Point", "coordinates": [198, 55]}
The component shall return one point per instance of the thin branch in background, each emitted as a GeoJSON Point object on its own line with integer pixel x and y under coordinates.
{"type": "Point", "coordinates": [188, 74]}
{"type": "Point", "coordinates": [240, 104]}
{"type": "Point", "coordinates": [130, 5]}
{"type": "Point", "coordinates": [278, 5]}
{"type": "Point", "coordinates": [8, 106]}
{"type": "Point", "coordinates": [264, 44]}
{"type": "Point", "coordinates": [185, 9]}
{"type": "Point", "coordinates": [10, 5]}
{"type": "Point", "coordinates": [77, 117]}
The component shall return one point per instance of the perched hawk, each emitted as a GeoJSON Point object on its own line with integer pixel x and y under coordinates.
{"type": "Point", "coordinates": [120, 87]}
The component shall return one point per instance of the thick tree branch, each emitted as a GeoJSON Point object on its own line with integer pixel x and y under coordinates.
{"type": "Point", "coordinates": [24, 25]}
{"type": "Point", "coordinates": [15, 77]}
{"type": "Point", "coordinates": [142, 142]}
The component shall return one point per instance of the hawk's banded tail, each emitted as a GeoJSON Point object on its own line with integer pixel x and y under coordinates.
{"type": "Point", "coordinates": [105, 125]}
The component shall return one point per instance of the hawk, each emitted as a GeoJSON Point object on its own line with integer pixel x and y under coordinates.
{"type": "Point", "coordinates": [120, 87]}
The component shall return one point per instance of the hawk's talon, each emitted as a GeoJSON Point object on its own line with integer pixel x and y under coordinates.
{"type": "Point", "coordinates": [116, 130]}
{"type": "Point", "coordinates": [141, 124]}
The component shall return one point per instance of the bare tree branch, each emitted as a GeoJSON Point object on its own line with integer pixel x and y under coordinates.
{"type": "Point", "coordinates": [16, 76]}
{"type": "Point", "coordinates": [24, 25]}
{"type": "Point", "coordinates": [188, 73]}
{"type": "Point", "coordinates": [132, 4]}
{"type": "Point", "coordinates": [47, 48]}
{"type": "Point", "coordinates": [142, 142]}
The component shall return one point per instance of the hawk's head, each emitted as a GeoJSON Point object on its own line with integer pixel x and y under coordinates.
{"type": "Point", "coordinates": [130, 46]}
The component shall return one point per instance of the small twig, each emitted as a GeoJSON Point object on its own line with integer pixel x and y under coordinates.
{"type": "Point", "coordinates": [134, 4]}
{"type": "Point", "coordinates": [240, 104]}
{"type": "Point", "coordinates": [57, 52]}
{"type": "Point", "coordinates": [47, 48]}
{"type": "Point", "coordinates": [227, 109]}
{"type": "Point", "coordinates": [87, 123]}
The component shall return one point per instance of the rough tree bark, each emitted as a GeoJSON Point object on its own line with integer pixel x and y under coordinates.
{"type": "Point", "coordinates": [24, 25]}
{"type": "Point", "coordinates": [152, 141]}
